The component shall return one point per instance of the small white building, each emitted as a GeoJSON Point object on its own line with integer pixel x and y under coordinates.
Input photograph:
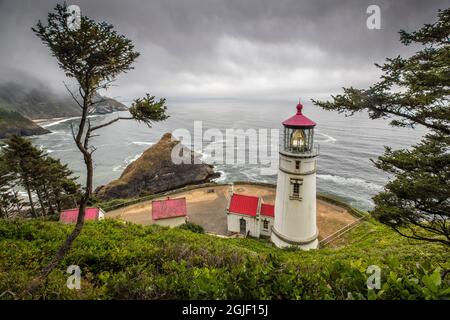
{"type": "Point", "coordinates": [169, 212]}
{"type": "Point", "coordinates": [248, 216]}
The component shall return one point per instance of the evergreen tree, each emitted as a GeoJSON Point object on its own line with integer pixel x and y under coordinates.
{"type": "Point", "coordinates": [413, 91]}
{"type": "Point", "coordinates": [10, 202]}
{"type": "Point", "coordinates": [23, 161]}
{"type": "Point", "coordinates": [93, 55]}
{"type": "Point", "coordinates": [60, 187]}
{"type": "Point", "coordinates": [41, 175]}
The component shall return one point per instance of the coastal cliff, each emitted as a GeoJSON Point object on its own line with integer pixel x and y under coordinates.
{"type": "Point", "coordinates": [20, 104]}
{"type": "Point", "coordinates": [12, 123]}
{"type": "Point", "coordinates": [154, 172]}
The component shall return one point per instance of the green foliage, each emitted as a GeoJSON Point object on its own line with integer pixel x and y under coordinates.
{"type": "Point", "coordinates": [128, 261]}
{"type": "Point", "coordinates": [146, 110]}
{"type": "Point", "coordinates": [22, 164]}
{"type": "Point", "coordinates": [93, 54]}
{"type": "Point", "coordinates": [192, 227]}
{"type": "Point", "coordinates": [413, 91]}
{"type": "Point", "coordinates": [416, 204]}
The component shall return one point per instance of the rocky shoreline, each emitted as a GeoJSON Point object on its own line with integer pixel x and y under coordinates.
{"type": "Point", "coordinates": [23, 108]}
{"type": "Point", "coordinates": [12, 123]}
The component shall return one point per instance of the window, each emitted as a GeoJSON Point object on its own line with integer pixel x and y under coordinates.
{"type": "Point", "coordinates": [298, 139]}
{"type": "Point", "coordinates": [297, 165]}
{"type": "Point", "coordinates": [296, 189]}
{"type": "Point", "coordinates": [266, 224]}
{"type": "Point", "coordinates": [242, 226]}
{"type": "Point", "coordinates": [296, 183]}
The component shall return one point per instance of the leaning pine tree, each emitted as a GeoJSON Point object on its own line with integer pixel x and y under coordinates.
{"type": "Point", "coordinates": [39, 174]}
{"type": "Point", "coordinates": [413, 91]}
{"type": "Point", "coordinates": [93, 54]}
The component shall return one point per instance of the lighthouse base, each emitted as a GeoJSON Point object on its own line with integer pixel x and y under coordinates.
{"type": "Point", "coordinates": [282, 242]}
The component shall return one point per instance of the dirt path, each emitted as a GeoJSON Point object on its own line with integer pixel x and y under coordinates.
{"type": "Point", "coordinates": [206, 207]}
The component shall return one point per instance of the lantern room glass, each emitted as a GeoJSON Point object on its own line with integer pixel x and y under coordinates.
{"type": "Point", "coordinates": [297, 140]}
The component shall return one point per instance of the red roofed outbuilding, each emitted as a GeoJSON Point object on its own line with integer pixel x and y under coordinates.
{"type": "Point", "coordinates": [242, 204]}
{"type": "Point", "coordinates": [169, 212]}
{"type": "Point", "coordinates": [249, 216]}
{"type": "Point", "coordinates": [268, 210]}
{"type": "Point", "coordinates": [91, 214]}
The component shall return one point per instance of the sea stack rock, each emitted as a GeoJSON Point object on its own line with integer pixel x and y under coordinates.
{"type": "Point", "coordinates": [154, 172]}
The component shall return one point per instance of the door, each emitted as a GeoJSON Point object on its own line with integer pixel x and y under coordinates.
{"type": "Point", "coordinates": [242, 226]}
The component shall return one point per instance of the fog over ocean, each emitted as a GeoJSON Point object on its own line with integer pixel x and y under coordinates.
{"type": "Point", "coordinates": [346, 143]}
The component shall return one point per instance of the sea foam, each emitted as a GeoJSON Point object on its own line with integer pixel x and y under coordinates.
{"type": "Point", "coordinates": [350, 182]}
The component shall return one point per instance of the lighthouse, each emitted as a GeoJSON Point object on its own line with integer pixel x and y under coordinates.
{"type": "Point", "coordinates": [295, 203]}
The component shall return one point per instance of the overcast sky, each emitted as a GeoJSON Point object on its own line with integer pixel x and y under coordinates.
{"type": "Point", "coordinates": [277, 49]}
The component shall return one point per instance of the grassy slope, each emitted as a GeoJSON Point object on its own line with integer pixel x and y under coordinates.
{"type": "Point", "coordinates": [126, 261]}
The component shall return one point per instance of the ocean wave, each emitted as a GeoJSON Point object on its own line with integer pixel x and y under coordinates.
{"type": "Point", "coordinates": [222, 178]}
{"type": "Point", "coordinates": [328, 138]}
{"type": "Point", "coordinates": [59, 150]}
{"type": "Point", "coordinates": [126, 162]}
{"type": "Point", "coordinates": [142, 143]}
{"type": "Point", "coordinates": [251, 176]}
{"type": "Point", "coordinates": [51, 124]}
{"type": "Point", "coordinates": [350, 182]}
{"type": "Point", "coordinates": [58, 122]}
{"type": "Point", "coordinates": [117, 168]}
{"type": "Point", "coordinates": [131, 159]}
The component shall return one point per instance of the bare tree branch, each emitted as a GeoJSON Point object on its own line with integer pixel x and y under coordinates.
{"type": "Point", "coordinates": [73, 96]}
{"type": "Point", "coordinates": [110, 122]}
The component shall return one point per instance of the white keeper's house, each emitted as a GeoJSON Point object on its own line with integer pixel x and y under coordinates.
{"type": "Point", "coordinates": [292, 221]}
{"type": "Point", "coordinates": [249, 216]}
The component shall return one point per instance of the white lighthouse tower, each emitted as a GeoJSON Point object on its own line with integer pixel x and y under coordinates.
{"type": "Point", "coordinates": [295, 203]}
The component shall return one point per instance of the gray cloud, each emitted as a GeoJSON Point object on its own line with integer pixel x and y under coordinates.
{"type": "Point", "coordinates": [227, 48]}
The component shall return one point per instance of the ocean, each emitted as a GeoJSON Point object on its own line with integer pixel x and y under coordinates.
{"type": "Point", "coordinates": [347, 144]}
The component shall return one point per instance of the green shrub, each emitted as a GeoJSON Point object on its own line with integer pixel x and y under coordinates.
{"type": "Point", "coordinates": [192, 227]}
{"type": "Point", "coordinates": [127, 261]}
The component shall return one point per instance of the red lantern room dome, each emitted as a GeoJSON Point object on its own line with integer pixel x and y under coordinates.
{"type": "Point", "coordinates": [299, 120]}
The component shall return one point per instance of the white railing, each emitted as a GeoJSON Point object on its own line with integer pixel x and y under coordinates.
{"type": "Point", "coordinates": [315, 150]}
{"type": "Point", "coordinates": [340, 232]}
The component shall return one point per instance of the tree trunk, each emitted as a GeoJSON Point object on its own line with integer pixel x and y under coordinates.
{"type": "Point", "coordinates": [57, 199]}
{"type": "Point", "coordinates": [67, 244]}
{"type": "Point", "coordinates": [83, 147]}
{"type": "Point", "coordinates": [44, 211]}
{"type": "Point", "coordinates": [72, 236]}
{"type": "Point", "coordinates": [49, 201]}
{"type": "Point", "coordinates": [33, 210]}
{"type": "Point", "coordinates": [19, 210]}
{"type": "Point", "coordinates": [58, 205]}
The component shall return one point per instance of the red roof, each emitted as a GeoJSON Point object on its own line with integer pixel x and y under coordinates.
{"type": "Point", "coordinates": [71, 215]}
{"type": "Point", "coordinates": [299, 120]}
{"type": "Point", "coordinates": [243, 204]}
{"type": "Point", "coordinates": [268, 210]}
{"type": "Point", "coordinates": [169, 208]}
